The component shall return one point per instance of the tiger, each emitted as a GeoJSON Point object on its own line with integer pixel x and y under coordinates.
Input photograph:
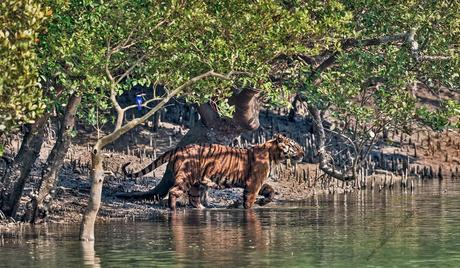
{"type": "Point", "coordinates": [219, 166]}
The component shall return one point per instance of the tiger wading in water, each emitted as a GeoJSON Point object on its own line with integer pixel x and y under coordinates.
{"type": "Point", "coordinates": [219, 166]}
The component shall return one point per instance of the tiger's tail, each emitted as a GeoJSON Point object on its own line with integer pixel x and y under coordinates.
{"type": "Point", "coordinates": [166, 157]}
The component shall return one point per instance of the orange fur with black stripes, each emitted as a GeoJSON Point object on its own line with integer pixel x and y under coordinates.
{"type": "Point", "coordinates": [219, 166]}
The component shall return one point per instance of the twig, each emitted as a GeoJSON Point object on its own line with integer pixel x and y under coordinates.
{"type": "Point", "coordinates": [145, 104]}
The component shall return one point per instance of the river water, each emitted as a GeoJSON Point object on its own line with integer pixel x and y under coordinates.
{"type": "Point", "coordinates": [362, 229]}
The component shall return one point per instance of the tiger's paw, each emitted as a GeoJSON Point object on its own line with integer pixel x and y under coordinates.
{"type": "Point", "coordinates": [200, 206]}
{"type": "Point", "coordinates": [264, 201]}
{"type": "Point", "coordinates": [235, 204]}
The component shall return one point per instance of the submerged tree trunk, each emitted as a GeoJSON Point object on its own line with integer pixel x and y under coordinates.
{"type": "Point", "coordinates": [19, 171]}
{"type": "Point", "coordinates": [54, 162]}
{"type": "Point", "coordinates": [97, 179]}
{"type": "Point", "coordinates": [211, 129]}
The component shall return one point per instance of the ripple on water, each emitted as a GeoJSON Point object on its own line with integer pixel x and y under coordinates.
{"type": "Point", "coordinates": [371, 229]}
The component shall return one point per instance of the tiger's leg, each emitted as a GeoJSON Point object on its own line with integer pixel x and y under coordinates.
{"type": "Point", "coordinates": [206, 184]}
{"type": "Point", "coordinates": [181, 186]}
{"type": "Point", "coordinates": [173, 195]}
{"type": "Point", "coordinates": [204, 195]}
{"type": "Point", "coordinates": [194, 195]}
{"type": "Point", "coordinates": [268, 192]}
{"type": "Point", "coordinates": [250, 194]}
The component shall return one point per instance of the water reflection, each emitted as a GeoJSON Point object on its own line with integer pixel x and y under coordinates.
{"type": "Point", "coordinates": [217, 236]}
{"type": "Point", "coordinates": [90, 258]}
{"type": "Point", "coordinates": [367, 228]}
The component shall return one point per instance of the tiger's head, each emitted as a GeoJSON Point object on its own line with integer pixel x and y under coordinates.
{"type": "Point", "coordinates": [287, 148]}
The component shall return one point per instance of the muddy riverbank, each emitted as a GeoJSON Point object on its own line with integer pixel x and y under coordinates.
{"type": "Point", "coordinates": [302, 183]}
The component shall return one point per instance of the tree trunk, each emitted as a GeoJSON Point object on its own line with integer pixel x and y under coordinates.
{"type": "Point", "coordinates": [54, 162]}
{"type": "Point", "coordinates": [293, 111]}
{"type": "Point", "coordinates": [211, 129]}
{"type": "Point", "coordinates": [97, 179]}
{"type": "Point", "coordinates": [324, 157]}
{"type": "Point", "coordinates": [22, 165]}
{"type": "Point", "coordinates": [156, 122]}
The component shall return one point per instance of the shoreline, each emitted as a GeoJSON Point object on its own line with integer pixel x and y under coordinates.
{"type": "Point", "coordinates": [300, 184]}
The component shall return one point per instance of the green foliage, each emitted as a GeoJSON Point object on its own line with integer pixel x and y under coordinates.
{"type": "Point", "coordinates": [370, 88]}
{"type": "Point", "coordinates": [20, 94]}
{"type": "Point", "coordinates": [367, 90]}
{"type": "Point", "coordinates": [447, 116]}
{"type": "Point", "coordinates": [243, 36]}
{"type": "Point", "coordinates": [71, 60]}
{"type": "Point", "coordinates": [170, 42]}
{"type": "Point", "coordinates": [438, 32]}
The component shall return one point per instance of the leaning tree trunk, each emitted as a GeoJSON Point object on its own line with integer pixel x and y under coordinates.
{"type": "Point", "coordinates": [211, 129]}
{"type": "Point", "coordinates": [54, 162]}
{"type": "Point", "coordinates": [22, 165]}
{"type": "Point", "coordinates": [324, 158]}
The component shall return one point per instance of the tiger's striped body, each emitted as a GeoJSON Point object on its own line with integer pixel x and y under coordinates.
{"type": "Point", "coordinates": [219, 166]}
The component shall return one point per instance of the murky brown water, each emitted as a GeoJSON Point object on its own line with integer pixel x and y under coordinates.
{"type": "Point", "coordinates": [366, 229]}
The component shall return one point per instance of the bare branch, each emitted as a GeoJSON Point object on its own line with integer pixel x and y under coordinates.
{"type": "Point", "coordinates": [127, 44]}
{"type": "Point", "coordinates": [371, 143]}
{"type": "Point", "coordinates": [123, 44]}
{"type": "Point", "coordinates": [324, 157]}
{"type": "Point", "coordinates": [131, 68]}
{"type": "Point", "coordinates": [145, 104]}
{"type": "Point", "coordinates": [107, 62]}
{"type": "Point", "coordinates": [310, 60]}
{"type": "Point", "coordinates": [230, 74]}
{"type": "Point", "coordinates": [350, 43]}
{"type": "Point", "coordinates": [414, 47]}
{"type": "Point", "coordinates": [344, 137]}
{"type": "Point", "coordinates": [113, 94]}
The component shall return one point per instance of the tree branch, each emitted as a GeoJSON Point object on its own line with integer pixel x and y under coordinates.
{"type": "Point", "coordinates": [145, 104]}
{"type": "Point", "coordinates": [414, 47]}
{"type": "Point", "coordinates": [107, 61]}
{"type": "Point", "coordinates": [208, 114]}
{"type": "Point", "coordinates": [124, 44]}
{"type": "Point", "coordinates": [324, 157]}
{"type": "Point", "coordinates": [346, 138]}
{"type": "Point", "coordinates": [407, 37]}
{"type": "Point", "coordinates": [133, 123]}
{"type": "Point", "coordinates": [131, 68]}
